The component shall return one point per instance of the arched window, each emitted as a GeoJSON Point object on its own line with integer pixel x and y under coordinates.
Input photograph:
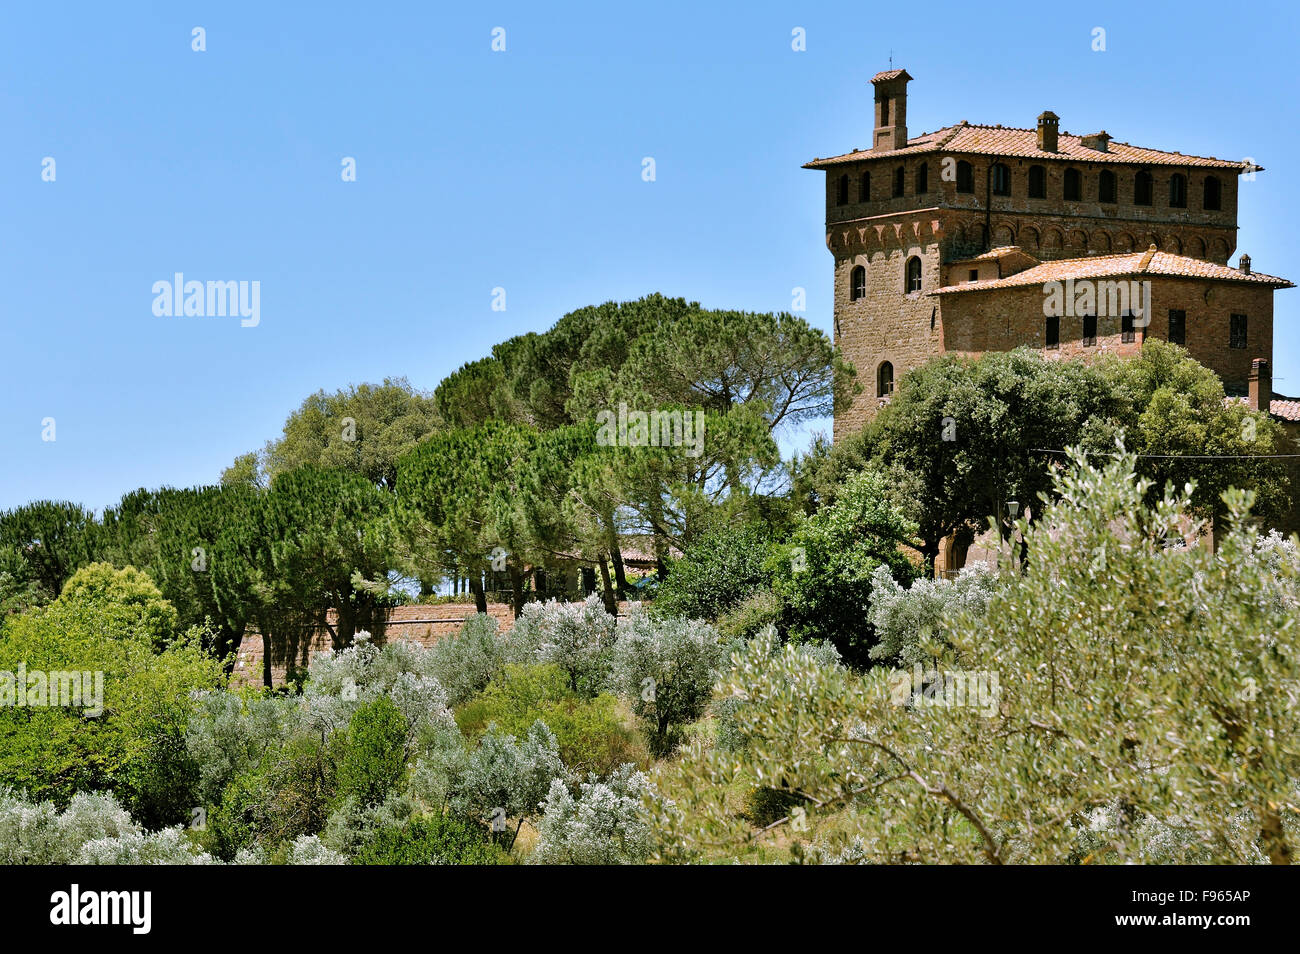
{"type": "Point", "coordinates": [1142, 188]}
{"type": "Point", "coordinates": [1213, 194]}
{"type": "Point", "coordinates": [884, 379]}
{"type": "Point", "coordinates": [1037, 182]}
{"type": "Point", "coordinates": [913, 275]}
{"type": "Point", "coordinates": [1073, 190]}
{"type": "Point", "coordinates": [965, 177]}
{"type": "Point", "coordinates": [857, 283]}
{"type": "Point", "coordinates": [864, 188]}
{"type": "Point", "coordinates": [1001, 179]}
{"type": "Point", "coordinates": [1106, 186]}
{"type": "Point", "coordinates": [900, 175]}
{"type": "Point", "coordinates": [842, 191]}
{"type": "Point", "coordinates": [922, 179]}
{"type": "Point", "coordinates": [1178, 191]}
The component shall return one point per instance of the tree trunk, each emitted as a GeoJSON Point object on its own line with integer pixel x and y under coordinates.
{"type": "Point", "coordinates": [620, 575]}
{"type": "Point", "coordinates": [611, 604]}
{"type": "Point", "coordinates": [266, 657]}
{"type": "Point", "coordinates": [480, 598]}
{"type": "Point", "coordinates": [516, 589]}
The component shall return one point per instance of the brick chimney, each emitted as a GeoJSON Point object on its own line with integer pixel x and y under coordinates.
{"type": "Point", "coordinates": [1099, 141]}
{"type": "Point", "coordinates": [1243, 264]}
{"type": "Point", "coordinates": [1048, 122]}
{"type": "Point", "coordinates": [1260, 389]}
{"type": "Point", "coordinates": [891, 110]}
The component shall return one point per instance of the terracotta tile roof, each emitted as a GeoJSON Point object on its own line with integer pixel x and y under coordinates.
{"type": "Point", "coordinates": [1147, 263]}
{"type": "Point", "coordinates": [972, 139]}
{"type": "Point", "coordinates": [1281, 407]}
{"type": "Point", "coordinates": [888, 75]}
{"type": "Point", "coordinates": [1286, 408]}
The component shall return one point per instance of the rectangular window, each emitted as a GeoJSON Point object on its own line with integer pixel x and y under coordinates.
{"type": "Point", "coordinates": [1090, 331]}
{"type": "Point", "coordinates": [1053, 332]}
{"type": "Point", "coordinates": [1126, 328]}
{"type": "Point", "coordinates": [1237, 331]}
{"type": "Point", "coordinates": [1177, 326]}
{"type": "Point", "coordinates": [974, 274]}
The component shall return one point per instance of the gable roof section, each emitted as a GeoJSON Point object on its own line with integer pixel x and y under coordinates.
{"type": "Point", "coordinates": [1148, 263]}
{"type": "Point", "coordinates": [970, 139]}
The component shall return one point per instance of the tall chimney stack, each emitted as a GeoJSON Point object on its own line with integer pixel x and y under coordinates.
{"type": "Point", "coordinates": [1048, 123]}
{"type": "Point", "coordinates": [1260, 389]}
{"type": "Point", "coordinates": [891, 110]}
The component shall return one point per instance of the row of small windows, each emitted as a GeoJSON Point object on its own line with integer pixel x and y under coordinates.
{"type": "Point", "coordinates": [911, 280]}
{"type": "Point", "coordinates": [1127, 332]}
{"type": "Point", "coordinates": [1072, 185]}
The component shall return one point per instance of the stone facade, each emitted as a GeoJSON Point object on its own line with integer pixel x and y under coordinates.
{"type": "Point", "coordinates": [948, 198]}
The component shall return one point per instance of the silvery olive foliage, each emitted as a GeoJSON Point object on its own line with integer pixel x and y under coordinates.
{"type": "Point", "coordinates": [37, 833]}
{"type": "Point", "coordinates": [468, 660]}
{"type": "Point", "coordinates": [167, 847]}
{"type": "Point", "coordinates": [311, 850]}
{"type": "Point", "coordinates": [666, 669]}
{"type": "Point", "coordinates": [510, 776]}
{"type": "Point", "coordinates": [727, 731]}
{"type": "Point", "coordinates": [906, 620]}
{"type": "Point", "coordinates": [605, 824]}
{"type": "Point", "coordinates": [352, 825]}
{"type": "Point", "coordinates": [404, 671]}
{"type": "Point", "coordinates": [93, 830]}
{"type": "Point", "coordinates": [577, 637]}
{"type": "Point", "coordinates": [1139, 679]}
{"type": "Point", "coordinates": [231, 731]}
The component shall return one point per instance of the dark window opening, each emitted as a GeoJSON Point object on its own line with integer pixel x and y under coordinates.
{"type": "Point", "coordinates": [1073, 185]}
{"type": "Point", "coordinates": [974, 274]}
{"type": "Point", "coordinates": [1106, 186]}
{"type": "Point", "coordinates": [1126, 330]}
{"type": "Point", "coordinates": [900, 176]}
{"type": "Point", "coordinates": [1237, 331]}
{"type": "Point", "coordinates": [842, 191]}
{"type": "Point", "coordinates": [1142, 188]}
{"type": "Point", "coordinates": [1090, 331]}
{"type": "Point", "coordinates": [1178, 191]}
{"type": "Point", "coordinates": [1053, 332]}
{"type": "Point", "coordinates": [864, 188]}
{"type": "Point", "coordinates": [1037, 182]}
{"type": "Point", "coordinates": [1213, 198]}
{"type": "Point", "coordinates": [965, 177]}
{"type": "Point", "coordinates": [913, 274]}
{"type": "Point", "coordinates": [885, 380]}
{"type": "Point", "coordinates": [858, 284]}
{"type": "Point", "coordinates": [1001, 179]}
{"type": "Point", "coordinates": [922, 179]}
{"type": "Point", "coordinates": [1177, 326]}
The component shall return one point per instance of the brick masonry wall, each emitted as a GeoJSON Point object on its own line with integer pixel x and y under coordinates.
{"type": "Point", "coordinates": [1051, 228]}
{"type": "Point", "coordinates": [975, 322]}
{"type": "Point", "coordinates": [405, 622]}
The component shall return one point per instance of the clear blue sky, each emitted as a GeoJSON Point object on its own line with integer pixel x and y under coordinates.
{"type": "Point", "coordinates": [519, 169]}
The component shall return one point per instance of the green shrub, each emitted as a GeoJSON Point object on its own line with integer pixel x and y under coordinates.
{"type": "Point", "coordinates": [765, 805]}
{"type": "Point", "coordinates": [824, 575]}
{"type": "Point", "coordinates": [54, 751]}
{"type": "Point", "coordinates": [370, 758]}
{"type": "Point", "coordinates": [591, 733]}
{"type": "Point", "coordinates": [665, 668]}
{"type": "Point", "coordinates": [715, 574]}
{"type": "Point", "coordinates": [431, 840]}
